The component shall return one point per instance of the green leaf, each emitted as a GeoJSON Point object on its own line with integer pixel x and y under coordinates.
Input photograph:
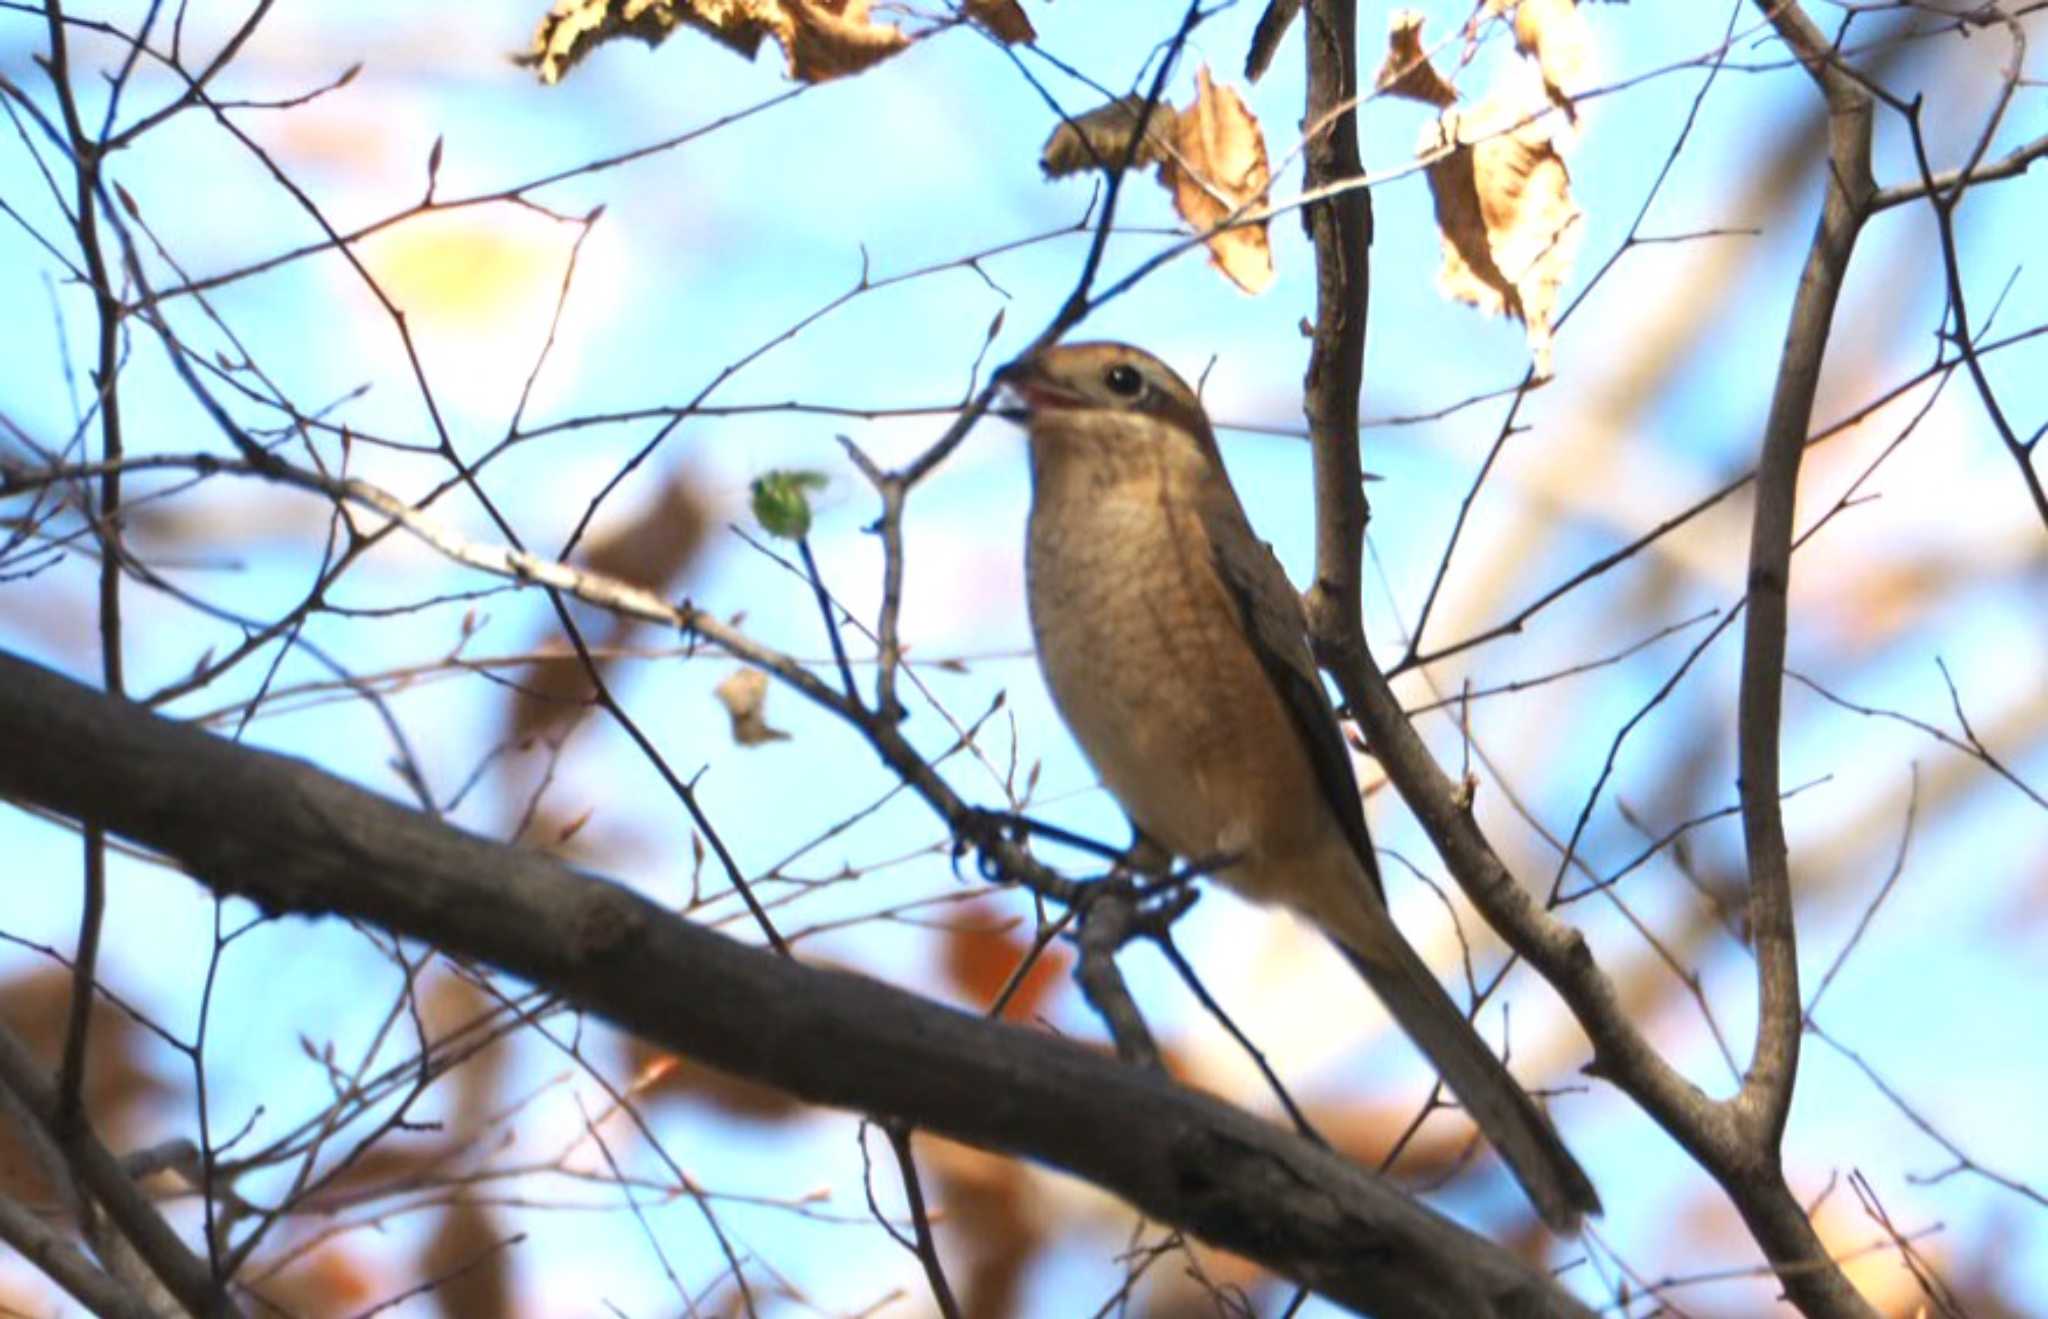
{"type": "Point", "coordinates": [782, 502]}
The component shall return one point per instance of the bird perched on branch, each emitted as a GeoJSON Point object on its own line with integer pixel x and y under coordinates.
{"type": "Point", "coordinates": [1178, 654]}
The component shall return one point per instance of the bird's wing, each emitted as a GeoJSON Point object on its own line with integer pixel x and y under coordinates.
{"type": "Point", "coordinates": [1278, 632]}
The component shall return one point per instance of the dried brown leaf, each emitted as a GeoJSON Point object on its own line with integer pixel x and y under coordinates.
{"type": "Point", "coordinates": [996, 1222]}
{"type": "Point", "coordinates": [1554, 32]}
{"type": "Point", "coordinates": [470, 1259]}
{"type": "Point", "coordinates": [334, 1280]}
{"type": "Point", "coordinates": [745, 697]}
{"type": "Point", "coordinates": [1503, 203]}
{"type": "Point", "coordinates": [821, 38]}
{"type": "Point", "coordinates": [572, 29]}
{"type": "Point", "coordinates": [833, 38]}
{"type": "Point", "coordinates": [651, 548]}
{"type": "Point", "coordinates": [1099, 139]}
{"type": "Point", "coordinates": [1407, 72]}
{"type": "Point", "coordinates": [1004, 18]}
{"type": "Point", "coordinates": [1220, 168]}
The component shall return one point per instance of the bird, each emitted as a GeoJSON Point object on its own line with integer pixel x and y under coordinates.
{"type": "Point", "coordinates": [1177, 653]}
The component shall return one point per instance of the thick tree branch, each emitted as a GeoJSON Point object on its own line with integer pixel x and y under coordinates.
{"type": "Point", "coordinates": [295, 840]}
{"type": "Point", "coordinates": [1775, 1218]}
{"type": "Point", "coordinates": [1341, 229]}
{"type": "Point", "coordinates": [1737, 1140]}
{"type": "Point", "coordinates": [1767, 1089]}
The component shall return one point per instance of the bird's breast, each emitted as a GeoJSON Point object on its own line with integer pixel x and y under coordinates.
{"type": "Point", "coordinates": [1146, 658]}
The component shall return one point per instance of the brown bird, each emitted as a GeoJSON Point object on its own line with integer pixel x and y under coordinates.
{"type": "Point", "coordinates": [1178, 654]}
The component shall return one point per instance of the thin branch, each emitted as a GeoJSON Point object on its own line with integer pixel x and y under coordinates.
{"type": "Point", "coordinates": [927, 1250]}
{"type": "Point", "coordinates": [66, 1265]}
{"type": "Point", "coordinates": [99, 1173]}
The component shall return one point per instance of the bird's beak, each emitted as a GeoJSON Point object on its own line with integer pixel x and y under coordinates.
{"type": "Point", "coordinates": [1028, 383]}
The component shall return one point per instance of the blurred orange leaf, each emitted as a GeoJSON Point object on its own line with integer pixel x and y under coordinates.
{"type": "Point", "coordinates": [981, 954]}
{"type": "Point", "coordinates": [119, 1083]}
{"type": "Point", "coordinates": [334, 1280]}
{"type": "Point", "coordinates": [993, 1212]}
{"type": "Point", "coordinates": [470, 1255]}
{"type": "Point", "coordinates": [658, 1074]}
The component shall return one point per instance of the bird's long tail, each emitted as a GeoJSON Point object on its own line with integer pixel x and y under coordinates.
{"type": "Point", "coordinates": [1510, 1119]}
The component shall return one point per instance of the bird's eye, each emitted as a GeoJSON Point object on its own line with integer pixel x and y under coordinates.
{"type": "Point", "coordinates": [1124, 380]}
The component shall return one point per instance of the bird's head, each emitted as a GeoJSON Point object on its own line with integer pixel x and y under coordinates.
{"type": "Point", "coordinates": [1103, 397]}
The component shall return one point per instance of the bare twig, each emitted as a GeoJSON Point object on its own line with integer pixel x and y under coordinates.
{"type": "Point", "coordinates": [101, 1176]}
{"type": "Point", "coordinates": [927, 1249]}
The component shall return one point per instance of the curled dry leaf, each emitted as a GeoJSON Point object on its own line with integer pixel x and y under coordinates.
{"type": "Point", "coordinates": [1554, 33]}
{"type": "Point", "coordinates": [1004, 18]}
{"type": "Point", "coordinates": [1219, 169]}
{"type": "Point", "coordinates": [1503, 201]}
{"type": "Point", "coordinates": [821, 38]}
{"type": "Point", "coordinates": [1100, 138]}
{"type": "Point", "coordinates": [1211, 157]}
{"type": "Point", "coordinates": [1407, 72]}
{"type": "Point", "coordinates": [1510, 227]}
{"type": "Point", "coordinates": [745, 697]}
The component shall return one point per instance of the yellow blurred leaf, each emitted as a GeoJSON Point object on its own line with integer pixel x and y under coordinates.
{"type": "Point", "coordinates": [821, 38]}
{"type": "Point", "coordinates": [1407, 72]}
{"type": "Point", "coordinates": [467, 272]}
{"type": "Point", "coordinates": [1099, 139]}
{"type": "Point", "coordinates": [1220, 168]}
{"type": "Point", "coordinates": [745, 697]}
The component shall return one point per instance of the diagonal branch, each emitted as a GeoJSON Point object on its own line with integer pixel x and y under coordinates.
{"type": "Point", "coordinates": [298, 841]}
